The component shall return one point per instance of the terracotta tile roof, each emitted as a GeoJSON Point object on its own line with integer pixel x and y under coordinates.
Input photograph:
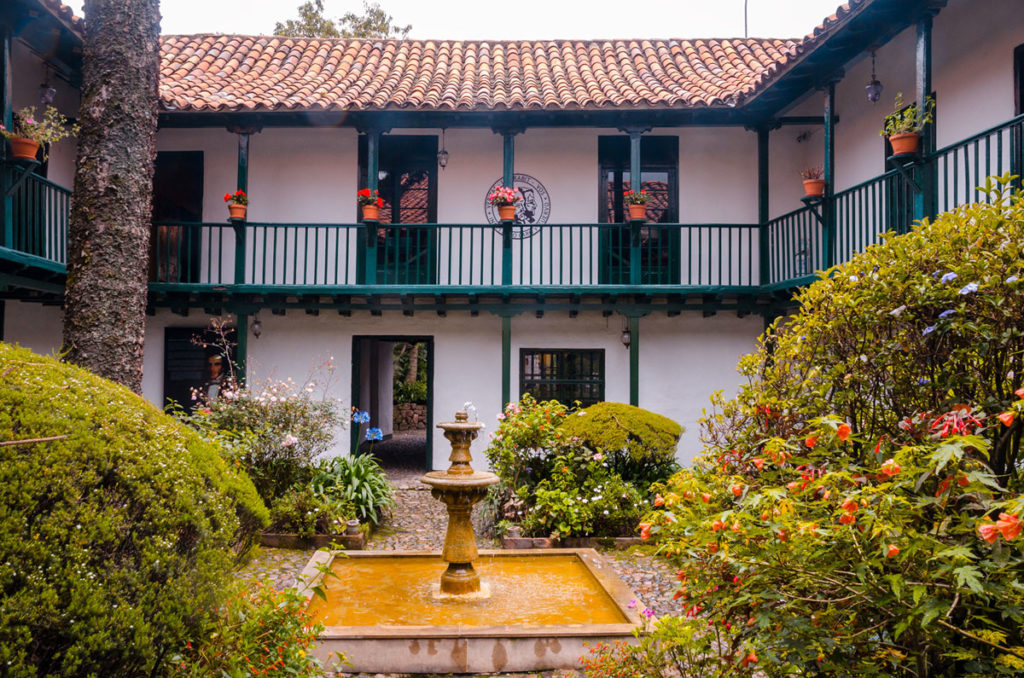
{"type": "Point", "coordinates": [62, 11]}
{"type": "Point", "coordinates": [235, 72]}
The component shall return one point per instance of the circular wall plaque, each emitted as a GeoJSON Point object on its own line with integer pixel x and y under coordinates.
{"type": "Point", "coordinates": [533, 210]}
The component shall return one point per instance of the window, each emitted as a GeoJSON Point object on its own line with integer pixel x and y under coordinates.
{"type": "Point", "coordinates": [659, 177]}
{"type": "Point", "coordinates": [196, 359]}
{"type": "Point", "coordinates": [565, 375]}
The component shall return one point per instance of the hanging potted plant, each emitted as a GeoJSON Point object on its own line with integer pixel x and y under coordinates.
{"type": "Point", "coordinates": [903, 126]}
{"type": "Point", "coordinates": [238, 203]}
{"type": "Point", "coordinates": [814, 184]}
{"type": "Point", "coordinates": [371, 202]}
{"type": "Point", "coordinates": [637, 203]}
{"type": "Point", "coordinates": [505, 199]}
{"type": "Point", "coordinates": [30, 133]}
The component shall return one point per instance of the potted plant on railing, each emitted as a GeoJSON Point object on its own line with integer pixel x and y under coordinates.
{"type": "Point", "coordinates": [505, 199]}
{"type": "Point", "coordinates": [29, 133]}
{"type": "Point", "coordinates": [238, 203]}
{"type": "Point", "coordinates": [637, 203]}
{"type": "Point", "coordinates": [814, 184]}
{"type": "Point", "coordinates": [371, 202]}
{"type": "Point", "coordinates": [903, 126]}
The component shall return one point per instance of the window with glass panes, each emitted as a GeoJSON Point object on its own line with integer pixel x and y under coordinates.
{"type": "Point", "coordinates": [565, 375]}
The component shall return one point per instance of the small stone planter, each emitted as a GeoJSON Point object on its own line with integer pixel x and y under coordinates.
{"type": "Point", "coordinates": [290, 540]}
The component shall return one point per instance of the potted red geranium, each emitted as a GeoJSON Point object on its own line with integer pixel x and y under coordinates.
{"type": "Point", "coordinates": [371, 202]}
{"type": "Point", "coordinates": [637, 203]}
{"type": "Point", "coordinates": [814, 183]}
{"type": "Point", "coordinates": [238, 203]}
{"type": "Point", "coordinates": [505, 199]}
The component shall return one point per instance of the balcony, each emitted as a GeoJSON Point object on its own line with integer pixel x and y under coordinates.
{"type": "Point", "coordinates": [426, 266]}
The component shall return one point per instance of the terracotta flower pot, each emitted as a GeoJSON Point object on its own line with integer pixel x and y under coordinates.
{"type": "Point", "coordinates": [507, 212]}
{"type": "Point", "coordinates": [814, 188]}
{"type": "Point", "coordinates": [371, 213]}
{"type": "Point", "coordinates": [23, 148]}
{"type": "Point", "coordinates": [637, 212]}
{"type": "Point", "coordinates": [903, 144]}
{"type": "Point", "coordinates": [237, 211]}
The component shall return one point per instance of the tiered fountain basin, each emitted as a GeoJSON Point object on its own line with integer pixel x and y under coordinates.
{"type": "Point", "coordinates": [542, 610]}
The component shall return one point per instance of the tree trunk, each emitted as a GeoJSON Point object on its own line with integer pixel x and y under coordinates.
{"type": "Point", "coordinates": [412, 374]}
{"type": "Point", "coordinates": [108, 236]}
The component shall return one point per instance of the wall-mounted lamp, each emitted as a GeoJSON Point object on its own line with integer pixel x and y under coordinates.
{"type": "Point", "coordinates": [626, 337]}
{"type": "Point", "coordinates": [874, 88]}
{"type": "Point", "coordinates": [442, 155]}
{"type": "Point", "coordinates": [256, 327]}
{"type": "Point", "coordinates": [47, 92]}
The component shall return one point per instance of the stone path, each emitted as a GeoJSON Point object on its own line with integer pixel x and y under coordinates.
{"type": "Point", "coordinates": [418, 524]}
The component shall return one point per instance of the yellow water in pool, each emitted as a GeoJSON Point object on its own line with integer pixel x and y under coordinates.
{"type": "Point", "coordinates": [525, 591]}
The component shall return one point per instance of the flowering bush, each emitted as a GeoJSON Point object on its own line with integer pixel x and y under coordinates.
{"type": "Point", "coordinates": [305, 511]}
{"type": "Point", "coordinates": [504, 195]}
{"type": "Point", "coordinates": [367, 197]}
{"type": "Point", "coordinates": [51, 129]}
{"type": "Point", "coordinates": [259, 631]}
{"type": "Point", "coordinates": [523, 448]}
{"type": "Point", "coordinates": [634, 198]}
{"type": "Point", "coordinates": [856, 509]}
{"type": "Point", "coordinates": [237, 198]}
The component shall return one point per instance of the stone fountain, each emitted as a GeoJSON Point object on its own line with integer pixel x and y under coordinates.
{"type": "Point", "coordinates": [460, 488]}
{"type": "Point", "coordinates": [387, 611]}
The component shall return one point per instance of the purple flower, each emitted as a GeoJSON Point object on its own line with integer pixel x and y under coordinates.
{"type": "Point", "coordinates": [946, 314]}
{"type": "Point", "coordinates": [374, 434]}
{"type": "Point", "coordinates": [928, 330]}
{"type": "Point", "coordinates": [968, 288]}
{"type": "Point", "coordinates": [632, 604]}
{"type": "Point", "coordinates": [1011, 279]}
{"type": "Point", "coordinates": [948, 277]}
{"type": "Point", "coordinates": [648, 612]}
{"type": "Point", "coordinates": [923, 380]}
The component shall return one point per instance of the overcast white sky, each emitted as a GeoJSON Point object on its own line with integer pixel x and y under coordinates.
{"type": "Point", "coordinates": [523, 19]}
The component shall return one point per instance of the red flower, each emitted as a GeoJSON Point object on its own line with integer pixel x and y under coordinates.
{"type": "Point", "coordinates": [943, 486]}
{"type": "Point", "coordinates": [645, 530]}
{"type": "Point", "coordinates": [890, 467]}
{"type": "Point", "coordinates": [811, 441]}
{"type": "Point", "coordinates": [850, 506]}
{"type": "Point", "coordinates": [848, 519]}
{"type": "Point", "coordinates": [705, 497]}
{"type": "Point", "coordinates": [364, 192]}
{"type": "Point", "coordinates": [962, 480]}
{"type": "Point", "coordinates": [1019, 392]}
{"type": "Point", "coordinates": [988, 532]}
{"type": "Point", "coordinates": [239, 193]}
{"type": "Point", "coordinates": [1008, 525]}
{"type": "Point", "coordinates": [843, 432]}
{"type": "Point", "coordinates": [717, 525]}
{"type": "Point", "coordinates": [1007, 418]}
{"type": "Point", "coordinates": [380, 202]}
{"type": "Point", "coordinates": [736, 490]}
{"type": "Point", "coordinates": [759, 463]}
{"type": "Point", "coordinates": [751, 658]}
{"type": "Point", "coordinates": [658, 500]}
{"type": "Point", "coordinates": [892, 551]}
{"type": "Point", "coordinates": [227, 197]}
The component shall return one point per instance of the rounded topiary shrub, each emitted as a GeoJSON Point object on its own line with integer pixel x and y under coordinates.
{"type": "Point", "coordinates": [116, 524]}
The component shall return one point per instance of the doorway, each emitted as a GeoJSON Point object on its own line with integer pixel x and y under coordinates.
{"type": "Point", "coordinates": [393, 380]}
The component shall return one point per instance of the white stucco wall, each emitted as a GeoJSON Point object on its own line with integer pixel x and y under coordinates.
{"type": "Point", "coordinates": [33, 326]}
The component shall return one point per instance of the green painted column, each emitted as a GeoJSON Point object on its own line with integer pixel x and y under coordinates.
{"type": "Point", "coordinates": [508, 175]}
{"type": "Point", "coordinates": [828, 240]}
{"type": "Point", "coordinates": [506, 360]}
{"type": "Point", "coordinates": [764, 261]}
{"type": "Point", "coordinates": [239, 224]}
{"type": "Point", "coordinates": [241, 345]}
{"type": "Point", "coordinates": [635, 184]}
{"type": "Point", "coordinates": [372, 168]}
{"type": "Point", "coordinates": [925, 200]}
{"type": "Point", "coordinates": [634, 361]}
{"type": "Point", "coordinates": [6, 117]}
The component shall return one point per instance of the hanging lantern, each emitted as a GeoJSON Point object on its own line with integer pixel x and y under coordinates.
{"type": "Point", "coordinates": [442, 155]}
{"type": "Point", "coordinates": [874, 88]}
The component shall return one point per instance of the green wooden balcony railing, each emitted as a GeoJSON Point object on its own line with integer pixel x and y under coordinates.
{"type": "Point", "coordinates": [39, 216]}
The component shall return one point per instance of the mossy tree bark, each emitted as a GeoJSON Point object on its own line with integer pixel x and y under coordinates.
{"type": "Point", "coordinates": [108, 239]}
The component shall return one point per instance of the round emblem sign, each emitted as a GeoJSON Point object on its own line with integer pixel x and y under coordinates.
{"type": "Point", "coordinates": [533, 210]}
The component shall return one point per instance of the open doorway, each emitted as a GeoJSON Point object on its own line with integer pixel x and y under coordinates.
{"type": "Point", "coordinates": [393, 381]}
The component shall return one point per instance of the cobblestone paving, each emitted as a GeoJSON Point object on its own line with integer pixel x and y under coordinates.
{"type": "Point", "coordinates": [418, 524]}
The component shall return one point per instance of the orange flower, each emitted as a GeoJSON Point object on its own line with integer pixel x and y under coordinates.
{"type": "Point", "coordinates": [705, 497]}
{"type": "Point", "coordinates": [811, 441]}
{"type": "Point", "coordinates": [1008, 525]}
{"type": "Point", "coordinates": [751, 658]}
{"type": "Point", "coordinates": [759, 463]}
{"type": "Point", "coordinates": [843, 432]}
{"type": "Point", "coordinates": [736, 490]}
{"type": "Point", "coordinates": [988, 531]}
{"type": "Point", "coordinates": [848, 519]}
{"type": "Point", "coordinates": [736, 527]}
{"type": "Point", "coordinates": [645, 530]}
{"type": "Point", "coordinates": [1019, 392]}
{"type": "Point", "coordinates": [850, 506]}
{"type": "Point", "coordinates": [892, 551]}
{"type": "Point", "coordinates": [1007, 418]}
{"type": "Point", "coordinates": [890, 467]}
{"type": "Point", "coordinates": [782, 535]}
{"type": "Point", "coordinates": [943, 486]}
{"type": "Point", "coordinates": [658, 500]}
{"type": "Point", "coordinates": [717, 525]}
{"type": "Point", "coordinates": [962, 480]}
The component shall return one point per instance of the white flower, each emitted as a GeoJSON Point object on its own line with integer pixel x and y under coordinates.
{"type": "Point", "coordinates": [289, 441]}
{"type": "Point", "coordinates": [897, 311]}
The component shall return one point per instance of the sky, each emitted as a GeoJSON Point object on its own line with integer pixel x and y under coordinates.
{"type": "Point", "coordinates": [522, 19]}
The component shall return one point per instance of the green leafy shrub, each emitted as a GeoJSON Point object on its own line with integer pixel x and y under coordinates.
{"type": "Point", "coordinates": [117, 526]}
{"type": "Point", "coordinates": [523, 448]}
{"type": "Point", "coordinates": [639, 445]}
{"type": "Point", "coordinates": [274, 431]}
{"type": "Point", "coordinates": [357, 481]}
{"type": "Point", "coordinates": [259, 631]}
{"type": "Point", "coordinates": [668, 647]}
{"type": "Point", "coordinates": [415, 392]}
{"type": "Point", "coordinates": [304, 511]}
{"type": "Point", "coordinates": [856, 510]}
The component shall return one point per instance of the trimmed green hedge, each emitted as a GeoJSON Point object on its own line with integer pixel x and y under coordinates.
{"type": "Point", "coordinates": [116, 538]}
{"type": "Point", "coordinates": [614, 427]}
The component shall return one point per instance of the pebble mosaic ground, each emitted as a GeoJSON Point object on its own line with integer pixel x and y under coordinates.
{"type": "Point", "coordinates": [418, 524]}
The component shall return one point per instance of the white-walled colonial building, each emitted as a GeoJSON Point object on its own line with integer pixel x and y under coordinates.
{"type": "Point", "coordinates": [717, 130]}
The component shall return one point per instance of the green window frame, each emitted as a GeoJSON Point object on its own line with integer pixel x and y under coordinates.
{"type": "Point", "coordinates": [562, 374]}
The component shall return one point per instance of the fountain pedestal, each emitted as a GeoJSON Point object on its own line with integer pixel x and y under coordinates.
{"type": "Point", "coordinates": [460, 487]}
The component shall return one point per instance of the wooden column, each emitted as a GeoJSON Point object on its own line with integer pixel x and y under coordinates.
{"type": "Point", "coordinates": [508, 175]}
{"type": "Point", "coordinates": [7, 118]}
{"type": "Point", "coordinates": [764, 261]}
{"type": "Point", "coordinates": [239, 224]}
{"type": "Point", "coordinates": [828, 240]}
{"type": "Point", "coordinates": [506, 360]}
{"type": "Point", "coordinates": [925, 201]}
{"type": "Point", "coordinates": [634, 360]}
{"type": "Point", "coordinates": [372, 168]}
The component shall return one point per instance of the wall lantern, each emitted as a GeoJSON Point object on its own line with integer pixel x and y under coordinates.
{"type": "Point", "coordinates": [442, 155]}
{"type": "Point", "coordinates": [626, 337]}
{"type": "Point", "coordinates": [256, 327]}
{"type": "Point", "coordinates": [874, 88]}
{"type": "Point", "coordinates": [47, 92]}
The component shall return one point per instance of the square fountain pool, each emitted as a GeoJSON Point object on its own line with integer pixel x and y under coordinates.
{"type": "Point", "coordinates": [544, 606]}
